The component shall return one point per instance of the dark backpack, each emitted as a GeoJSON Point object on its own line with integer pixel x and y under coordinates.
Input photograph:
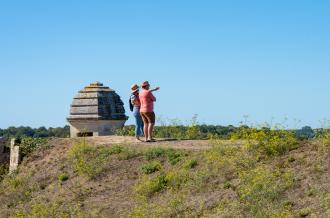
{"type": "Point", "coordinates": [131, 106]}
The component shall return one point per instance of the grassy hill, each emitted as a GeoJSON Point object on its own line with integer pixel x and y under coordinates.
{"type": "Point", "coordinates": [264, 175]}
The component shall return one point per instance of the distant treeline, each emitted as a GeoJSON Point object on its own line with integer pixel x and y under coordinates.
{"type": "Point", "coordinates": [171, 131]}
{"type": "Point", "coordinates": [41, 132]}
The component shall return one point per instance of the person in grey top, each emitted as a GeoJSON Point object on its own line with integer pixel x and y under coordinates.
{"type": "Point", "coordinates": [135, 101]}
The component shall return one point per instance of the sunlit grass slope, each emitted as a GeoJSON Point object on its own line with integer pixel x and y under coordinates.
{"type": "Point", "coordinates": [270, 174]}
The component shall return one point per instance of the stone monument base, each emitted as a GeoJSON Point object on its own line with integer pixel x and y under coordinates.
{"type": "Point", "coordinates": [81, 128]}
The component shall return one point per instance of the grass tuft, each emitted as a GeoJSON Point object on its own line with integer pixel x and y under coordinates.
{"type": "Point", "coordinates": [174, 156]}
{"type": "Point", "coordinates": [152, 167]}
{"type": "Point", "coordinates": [153, 153]}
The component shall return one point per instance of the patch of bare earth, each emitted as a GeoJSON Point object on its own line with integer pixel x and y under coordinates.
{"type": "Point", "coordinates": [310, 165]}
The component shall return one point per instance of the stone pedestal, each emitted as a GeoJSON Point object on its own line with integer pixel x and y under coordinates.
{"type": "Point", "coordinates": [94, 127]}
{"type": "Point", "coordinates": [96, 110]}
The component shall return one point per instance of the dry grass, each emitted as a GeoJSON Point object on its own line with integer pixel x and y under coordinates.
{"type": "Point", "coordinates": [228, 180]}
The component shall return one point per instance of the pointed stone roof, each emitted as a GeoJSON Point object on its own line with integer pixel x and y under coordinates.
{"type": "Point", "coordinates": [97, 102]}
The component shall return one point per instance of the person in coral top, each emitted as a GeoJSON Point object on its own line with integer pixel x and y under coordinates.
{"type": "Point", "coordinates": [147, 100]}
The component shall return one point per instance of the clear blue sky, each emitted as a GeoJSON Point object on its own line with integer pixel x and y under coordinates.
{"type": "Point", "coordinates": [218, 59]}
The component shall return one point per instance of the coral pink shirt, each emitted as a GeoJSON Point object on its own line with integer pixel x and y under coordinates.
{"type": "Point", "coordinates": [147, 100]}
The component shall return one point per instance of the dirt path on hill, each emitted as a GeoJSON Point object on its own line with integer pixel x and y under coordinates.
{"type": "Point", "coordinates": [177, 144]}
{"type": "Point", "coordinates": [169, 143]}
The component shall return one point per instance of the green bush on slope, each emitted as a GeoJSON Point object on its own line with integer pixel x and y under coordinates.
{"type": "Point", "coordinates": [152, 167]}
{"type": "Point", "coordinates": [267, 141]}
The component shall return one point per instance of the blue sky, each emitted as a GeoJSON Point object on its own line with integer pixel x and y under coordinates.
{"type": "Point", "coordinates": [222, 60]}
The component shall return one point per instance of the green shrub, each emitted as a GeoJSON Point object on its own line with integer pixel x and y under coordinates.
{"type": "Point", "coordinates": [116, 149]}
{"type": "Point", "coordinates": [148, 186]}
{"type": "Point", "coordinates": [288, 204]}
{"type": "Point", "coordinates": [174, 179]}
{"type": "Point", "coordinates": [28, 145]}
{"type": "Point", "coordinates": [227, 185]}
{"type": "Point", "coordinates": [15, 181]}
{"type": "Point", "coordinates": [152, 167]}
{"type": "Point", "coordinates": [174, 156]}
{"type": "Point", "coordinates": [63, 177]}
{"type": "Point", "coordinates": [304, 212]}
{"type": "Point", "coordinates": [153, 153]}
{"type": "Point", "coordinates": [191, 164]}
{"type": "Point", "coordinates": [268, 141]}
{"type": "Point", "coordinates": [177, 178]}
{"type": "Point", "coordinates": [326, 139]}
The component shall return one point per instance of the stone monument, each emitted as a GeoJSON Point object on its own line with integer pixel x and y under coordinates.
{"type": "Point", "coordinates": [15, 157]}
{"type": "Point", "coordinates": [96, 110]}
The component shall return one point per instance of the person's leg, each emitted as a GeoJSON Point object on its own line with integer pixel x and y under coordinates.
{"type": "Point", "coordinates": [146, 131]}
{"type": "Point", "coordinates": [152, 119]}
{"type": "Point", "coordinates": [137, 124]}
{"type": "Point", "coordinates": [150, 130]}
{"type": "Point", "coordinates": [141, 126]}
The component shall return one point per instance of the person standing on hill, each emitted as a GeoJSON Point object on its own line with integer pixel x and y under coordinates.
{"type": "Point", "coordinates": [136, 105]}
{"type": "Point", "coordinates": [147, 100]}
